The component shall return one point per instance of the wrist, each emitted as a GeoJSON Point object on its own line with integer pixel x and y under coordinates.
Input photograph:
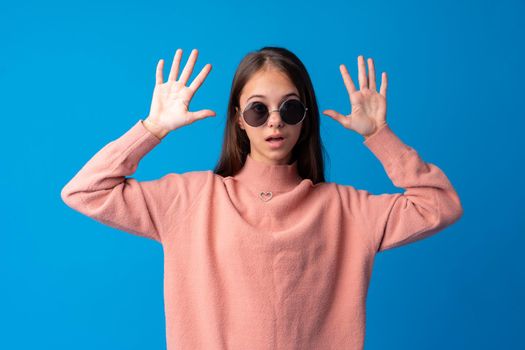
{"type": "Point", "coordinates": [157, 130]}
{"type": "Point", "coordinates": [374, 132]}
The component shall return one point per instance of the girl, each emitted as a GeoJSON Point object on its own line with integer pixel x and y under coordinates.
{"type": "Point", "coordinates": [262, 253]}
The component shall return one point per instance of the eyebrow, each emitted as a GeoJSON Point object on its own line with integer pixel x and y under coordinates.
{"type": "Point", "coordinates": [282, 99]}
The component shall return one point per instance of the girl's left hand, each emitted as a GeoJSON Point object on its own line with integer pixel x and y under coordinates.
{"type": "Point", "coordinates": [368, 106]}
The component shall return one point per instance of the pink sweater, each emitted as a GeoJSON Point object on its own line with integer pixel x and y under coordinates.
{"type": "Point", "coordinates": [286, 271]}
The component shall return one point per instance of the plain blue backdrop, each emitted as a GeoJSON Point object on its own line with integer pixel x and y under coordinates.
{"type": "Point", "coordinates": [76, 75]}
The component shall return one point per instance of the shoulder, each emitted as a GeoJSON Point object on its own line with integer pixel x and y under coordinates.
{"type": "Point", "coordinates": [333, 190]}
{"type": "Point", "coordinates": [199, 177]}
{"type": "Point", "coordinates": [204, 178]}
{"type": "Point", "coordinates": [191, 181]}
{"type": "Point", "coordinates": [352, 197]}
{"type": "Point", "coordinates": [334, 187]}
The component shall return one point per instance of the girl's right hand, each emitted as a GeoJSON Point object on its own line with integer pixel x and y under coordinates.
{"type": "Point", "coordinates": [171, 100]}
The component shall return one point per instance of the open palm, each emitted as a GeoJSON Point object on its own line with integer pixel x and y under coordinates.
{"type": "Point", "coordinates": [368, 106]}
{"type": "Point", "coordinates": [171, 99]}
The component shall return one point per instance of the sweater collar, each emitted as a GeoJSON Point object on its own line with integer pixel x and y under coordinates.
{"type": "Point", "coordinates": [268, 177]}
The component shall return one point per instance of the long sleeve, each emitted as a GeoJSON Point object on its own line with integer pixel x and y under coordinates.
{"type": "Point", "coordinates": [102, 190]}
{"type": "Point", "coordinates": [428, 204]}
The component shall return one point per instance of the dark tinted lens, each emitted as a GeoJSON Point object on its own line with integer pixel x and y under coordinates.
{"type": "Point", "coordinates": [256, 114]}
{"type": "Point", "coordinates": [292, 111]}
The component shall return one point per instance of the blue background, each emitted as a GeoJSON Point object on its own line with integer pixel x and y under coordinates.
{"type": "Point", "coordinates": [75, 76]}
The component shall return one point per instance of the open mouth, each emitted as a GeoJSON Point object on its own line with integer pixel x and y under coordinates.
{"type": "Point", "coordinates": [275, 142]}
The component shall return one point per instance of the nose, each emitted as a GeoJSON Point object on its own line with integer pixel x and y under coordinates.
{"type": "Point", "coordinates": [277, 120]}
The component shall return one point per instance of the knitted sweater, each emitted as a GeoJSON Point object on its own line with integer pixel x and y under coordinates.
{"type": "Point", "coordinates": [288, 269]}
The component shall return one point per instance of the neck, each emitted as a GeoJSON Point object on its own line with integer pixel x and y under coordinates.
{"type": "Point", "coordinates": [268, 177]}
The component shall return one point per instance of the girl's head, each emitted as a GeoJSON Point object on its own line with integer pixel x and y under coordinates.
{"type": "Point", "coordinates": [265, 79]}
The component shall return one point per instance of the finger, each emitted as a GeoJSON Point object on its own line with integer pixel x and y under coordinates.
{"type": "Point", "coordinates": [347, 79]}
{"type": "Point", "coordinates": [199, 79]}
{"type": "Point", "coordinates": [174, 72]}
{"type": "Point", "coordinates": [158, 76]}
{"type": "Point", "coordinates": [363, 80]}
{"type": "Point", "coordinates": [335, 115]}
{"type": "Point", "coordinates": [372, 74]}
{"type": "Point", "coordinates": [384, 84]}
{"type": "Point", "coordinates": [188, 68]}
{"type": "Point", "coordinates": [203, 113]}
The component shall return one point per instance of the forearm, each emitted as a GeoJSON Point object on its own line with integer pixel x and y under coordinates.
{"type": "Point", "coordinates": [105, 190]}
{"type": "Point", "coordinates": [428, 204]}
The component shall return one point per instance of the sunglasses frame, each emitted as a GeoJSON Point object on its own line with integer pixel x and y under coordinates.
{"type": "Point", "coordinates": [278, 109]}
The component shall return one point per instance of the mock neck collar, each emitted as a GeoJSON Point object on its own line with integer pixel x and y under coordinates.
{"type": "Point", "coordinates": [268, 177]}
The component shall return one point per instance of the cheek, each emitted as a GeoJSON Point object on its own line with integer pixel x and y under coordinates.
{"type": "Point", "coordinates": [297, 133]}
{"type": "Point", "coordinates": [255, 136]}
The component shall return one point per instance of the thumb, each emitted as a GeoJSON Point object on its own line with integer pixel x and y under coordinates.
{"type": "Point", "coordinates": [344, 120]}
{"type": "Point", "coordinates": [203, 113]}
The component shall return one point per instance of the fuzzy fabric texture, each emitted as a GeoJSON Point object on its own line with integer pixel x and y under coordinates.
{"type": "Point", "coordinates": [245, 270]}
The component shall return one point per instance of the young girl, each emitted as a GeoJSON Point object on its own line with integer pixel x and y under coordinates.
{"type": "Point", "coordinates": [262, 253]}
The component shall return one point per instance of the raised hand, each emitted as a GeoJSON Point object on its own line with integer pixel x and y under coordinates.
{"type": "Point", "coordinates": [368, 106]}
{"type": "Point", "coordinates": [170, 103]}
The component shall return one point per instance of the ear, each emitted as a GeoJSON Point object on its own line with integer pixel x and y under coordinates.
{"type": "Point", "coordinates": [238, 118]}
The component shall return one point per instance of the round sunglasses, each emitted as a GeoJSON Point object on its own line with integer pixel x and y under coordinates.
{"type": "Point", "coordinates": [292, 112]}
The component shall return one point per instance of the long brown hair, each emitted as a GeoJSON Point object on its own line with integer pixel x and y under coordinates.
{"type": "Point", "coordinates": [309, 150]}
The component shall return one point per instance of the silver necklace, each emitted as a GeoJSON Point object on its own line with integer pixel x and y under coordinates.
{"type": "Point", "coordinates": [265, 196]}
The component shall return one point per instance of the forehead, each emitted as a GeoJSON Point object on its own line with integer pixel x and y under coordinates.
{"type": "Point", "coordinates": [272, 84]}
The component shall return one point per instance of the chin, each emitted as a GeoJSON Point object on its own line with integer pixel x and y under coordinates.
{"type": "Point", "coordinates": [280, 157]}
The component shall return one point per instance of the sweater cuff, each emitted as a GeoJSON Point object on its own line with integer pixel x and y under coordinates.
{"type": "Point", "coordinates": [147, 130]}
{"type": "Point", "coordinates": [386, 145]}
{"type": "Point", "coordinates": [140, 139]}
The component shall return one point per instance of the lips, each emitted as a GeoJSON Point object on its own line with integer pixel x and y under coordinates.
{"type": "Point", "coordinates": [274, 137]}
{"type": "Point", "coordinates": [275, 142]}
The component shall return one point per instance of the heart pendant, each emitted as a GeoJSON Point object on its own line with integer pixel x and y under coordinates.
{"type": "Point", "coordinates": [265, 196]}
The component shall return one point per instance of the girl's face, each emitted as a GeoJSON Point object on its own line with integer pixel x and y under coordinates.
{"type": "Point", "coordinates": [272, 87]}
